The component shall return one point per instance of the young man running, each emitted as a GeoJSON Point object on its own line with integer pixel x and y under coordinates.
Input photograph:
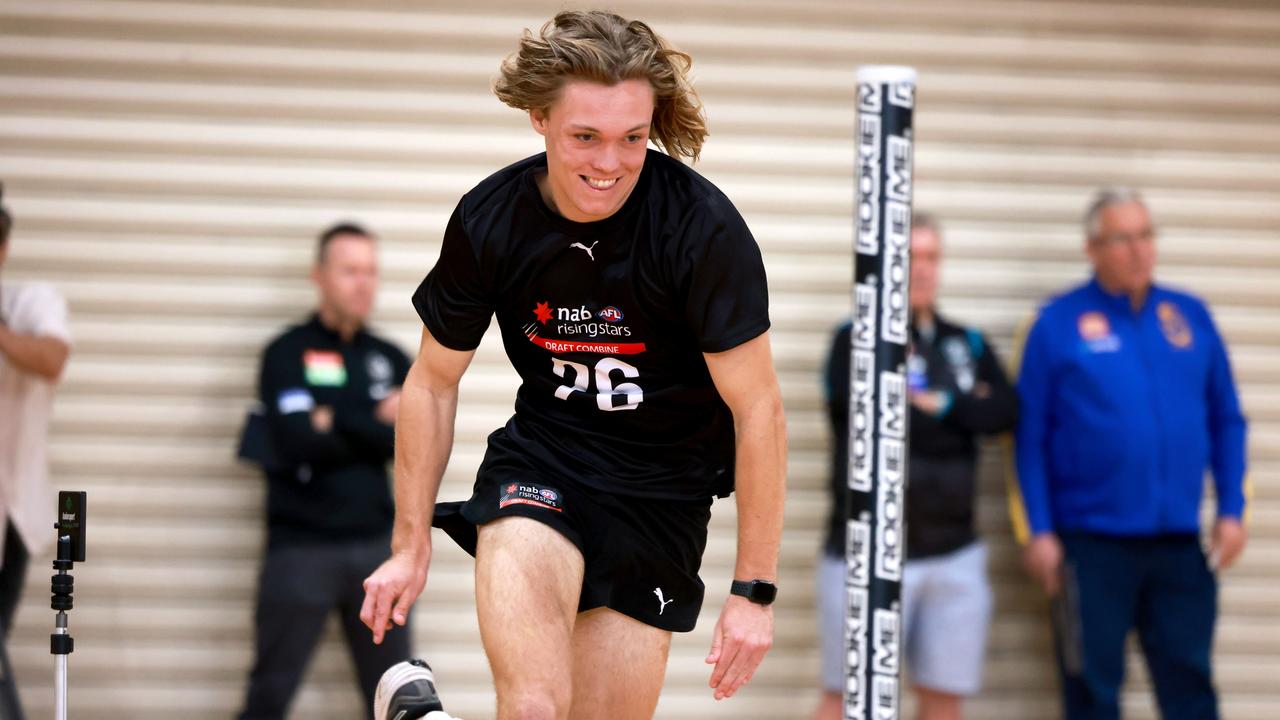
{"type": "Point", "coordinates": [631, 299]}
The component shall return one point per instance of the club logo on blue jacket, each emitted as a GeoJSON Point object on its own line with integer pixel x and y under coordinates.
{"type": "Point", "coordinates": [1095, 331]}
{"type": "Point", "coordinates": [1174, 325]}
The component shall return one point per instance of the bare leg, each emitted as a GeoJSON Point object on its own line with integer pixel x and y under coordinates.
{"type": "Point", "coordinates": [619, 664]}
{"type": "Point", "coordinates": [528, 578]}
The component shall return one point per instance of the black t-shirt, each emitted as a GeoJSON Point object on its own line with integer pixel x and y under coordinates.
{"type": "Point", "coordinates": [606, 323]}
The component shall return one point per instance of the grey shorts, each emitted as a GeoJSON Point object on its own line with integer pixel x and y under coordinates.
{"type": "Point", "coordinates": [947, 604]}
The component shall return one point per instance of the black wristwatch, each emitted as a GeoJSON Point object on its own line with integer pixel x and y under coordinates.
{"type": "Point", "coordinates": [760, 592]}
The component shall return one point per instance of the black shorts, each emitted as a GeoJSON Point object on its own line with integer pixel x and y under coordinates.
{"type": "Point", "coordinates": [641, 555]}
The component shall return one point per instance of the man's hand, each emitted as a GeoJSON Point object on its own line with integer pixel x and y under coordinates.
{"type": "Point", "coordinates": [743, 634]}
{"type": "Point", "coordinates": [322, 419]}
{"type": "Point", "coordinates": [1042, 559]}
{"type": "Point", "coordinates": [392, 589]}
{"type": "Point", "coordinates": [1229, 537]}
{"type": "Point", "coordinates": [388, 408]}
{"type": "Point", "coordinates": [930, 402]}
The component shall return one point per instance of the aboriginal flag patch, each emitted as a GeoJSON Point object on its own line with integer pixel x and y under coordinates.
{"type": "Point", "coordinates": [324, 368]}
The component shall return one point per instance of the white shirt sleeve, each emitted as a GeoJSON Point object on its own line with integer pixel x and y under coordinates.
{"type": "Point", "coordinates": [47, 311]}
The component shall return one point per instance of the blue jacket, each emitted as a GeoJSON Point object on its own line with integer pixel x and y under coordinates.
{"type": "Point", "coordinates": [1122, 412]}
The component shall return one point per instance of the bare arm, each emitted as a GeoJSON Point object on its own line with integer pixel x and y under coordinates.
{"type": "Point", "coordinates": [746, 379]}
{"type": "Point", "coordinates": [43, 356]}
{"type": "Point", "coordinates": [424, 439]}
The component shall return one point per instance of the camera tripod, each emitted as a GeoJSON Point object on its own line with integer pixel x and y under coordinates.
{"type": "Point", "coordinates": [72, 508]}
{"type": "Point", "coordinates": [61, 644]}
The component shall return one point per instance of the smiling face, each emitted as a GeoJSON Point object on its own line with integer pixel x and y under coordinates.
{"type": "Point", "coordinates": [596, 139]}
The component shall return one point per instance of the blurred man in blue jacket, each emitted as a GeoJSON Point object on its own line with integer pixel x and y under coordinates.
{"type": "Point", "coordinates": [1127, 397]}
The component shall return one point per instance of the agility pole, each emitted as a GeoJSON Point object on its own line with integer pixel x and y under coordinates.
{"type": "Point", "coordinates": [876, 541]}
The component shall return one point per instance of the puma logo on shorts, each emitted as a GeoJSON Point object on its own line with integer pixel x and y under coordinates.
{"type": "Point", "coordinates": [662, 604]}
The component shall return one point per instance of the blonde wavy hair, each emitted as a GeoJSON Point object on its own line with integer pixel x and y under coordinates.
{"type": "Point", "coordinates": [605, 48]}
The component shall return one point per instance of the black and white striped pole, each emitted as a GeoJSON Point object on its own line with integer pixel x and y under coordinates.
{"type": "Point", "coordinates": [876, 540]}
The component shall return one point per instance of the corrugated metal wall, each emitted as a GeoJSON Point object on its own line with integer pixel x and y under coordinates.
{"type": "Point", "coordinates": [170, 162]}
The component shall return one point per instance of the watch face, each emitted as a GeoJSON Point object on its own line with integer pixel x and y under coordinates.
{"type": "Point", "coordinates": [763, 592]}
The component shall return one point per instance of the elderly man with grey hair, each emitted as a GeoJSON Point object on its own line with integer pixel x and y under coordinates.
{"type": "Point", "coordinates": [1127, 398]}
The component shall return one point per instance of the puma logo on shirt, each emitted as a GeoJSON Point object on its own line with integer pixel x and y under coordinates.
{"type": "Point", "coordinates": [586, 249]}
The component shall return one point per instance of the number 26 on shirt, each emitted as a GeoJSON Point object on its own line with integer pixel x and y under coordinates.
{"type": "Point", "coordinates": [630, 393]}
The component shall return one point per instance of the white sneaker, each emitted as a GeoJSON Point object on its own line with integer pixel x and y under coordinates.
{"type": "Point", "coordinates": [407, 691]}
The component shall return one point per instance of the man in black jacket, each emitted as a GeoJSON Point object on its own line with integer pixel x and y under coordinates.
{"type": "Point", "coordinates": [330, 391]}
{"type": "Point", "coordinates": [958, 392]}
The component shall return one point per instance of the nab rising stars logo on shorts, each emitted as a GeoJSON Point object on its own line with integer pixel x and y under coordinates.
{"type": "Point", "coordinates": [530, 494]}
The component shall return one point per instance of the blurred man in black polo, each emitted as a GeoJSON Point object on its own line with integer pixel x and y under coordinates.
{"type": "Point", "coordinates": [330, 391]}
{"type": "Point", "coordinates": [958, 393]}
